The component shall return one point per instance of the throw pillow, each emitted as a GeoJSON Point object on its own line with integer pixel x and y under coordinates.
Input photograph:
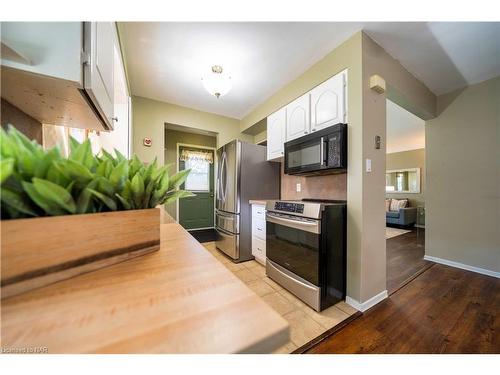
{"type": "Point", "coordinates": [388, 205]}
{"type": "Point", "coordinates": [396, 204]}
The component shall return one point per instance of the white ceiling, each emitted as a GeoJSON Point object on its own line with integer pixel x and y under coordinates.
{"type": "Point", "coordinates": [166, 60]}
{"type": "Point", "coordinates": [405, 131]}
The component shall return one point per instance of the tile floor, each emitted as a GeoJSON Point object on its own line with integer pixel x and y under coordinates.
{"type": "Point", "coordinates": [305, 323]}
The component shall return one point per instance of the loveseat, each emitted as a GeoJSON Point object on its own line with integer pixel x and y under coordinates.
{"type": "Point", "coordinates": [404, 216]}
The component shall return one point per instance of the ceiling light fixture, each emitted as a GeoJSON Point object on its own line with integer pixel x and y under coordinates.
{"type": "Point", "coordinates": [217, 83]}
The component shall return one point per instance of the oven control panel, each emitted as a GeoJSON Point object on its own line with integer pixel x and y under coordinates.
{"type": "Point", "coordinates": [289, 207]}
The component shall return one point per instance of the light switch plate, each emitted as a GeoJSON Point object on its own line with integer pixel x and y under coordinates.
{"type": "Point", "coordinates": [368, 165]}
{"type": "Point", "coordinates": [298, 187]}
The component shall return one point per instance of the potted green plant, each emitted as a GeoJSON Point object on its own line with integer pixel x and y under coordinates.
{"type": "Point", "coordinates": [65, 216]}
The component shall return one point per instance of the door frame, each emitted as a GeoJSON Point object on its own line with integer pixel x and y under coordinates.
{"type": "Point", "coordinates": [201, 147]}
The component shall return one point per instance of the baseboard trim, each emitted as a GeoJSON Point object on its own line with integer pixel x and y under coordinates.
{"type": "Point", "coordinates": [367, 304]}
{"type": "Point", "coordinates": [466, 267]}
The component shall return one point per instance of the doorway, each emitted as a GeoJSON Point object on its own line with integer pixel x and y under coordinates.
{"type": "Point", "coordinates": [405, 196]}
{"type": "Point", "coordinates": [197, 212]}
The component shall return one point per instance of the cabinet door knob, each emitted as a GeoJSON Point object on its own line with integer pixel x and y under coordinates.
{"type": "Point", "coordinates": [305, 132]}
{"type": "Point", "coordinates": [313, 129]}
{"type": "Point", "coordinates": [115, 119]}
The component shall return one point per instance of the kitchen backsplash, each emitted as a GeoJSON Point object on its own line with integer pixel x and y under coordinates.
{"type": "Point", "coordinates": [332, 186]}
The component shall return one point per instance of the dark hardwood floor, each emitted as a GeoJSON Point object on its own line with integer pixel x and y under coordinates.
{"type": "Point", "coordinates": [405, 258]}
{"type": "Point", "coordinates": [443, 310]}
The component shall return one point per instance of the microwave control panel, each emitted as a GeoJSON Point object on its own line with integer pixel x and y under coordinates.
{"type": "Point", "coordinates": [289, 207]}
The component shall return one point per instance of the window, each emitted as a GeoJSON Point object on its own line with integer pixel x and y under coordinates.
{"type": "Point", "coordinates": [199, 178]}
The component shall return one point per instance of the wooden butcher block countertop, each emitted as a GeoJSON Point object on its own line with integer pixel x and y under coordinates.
{"type": "Point", "coordinates": [179, 299]}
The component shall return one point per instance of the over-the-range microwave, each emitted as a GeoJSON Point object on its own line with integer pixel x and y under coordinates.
{"type": "Point", "coordinates": [321, 152]}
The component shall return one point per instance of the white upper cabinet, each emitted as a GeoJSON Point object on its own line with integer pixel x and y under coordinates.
{"type": "Point", "coordinates": [323, 106]}
{"type": "Point", "coordinates": [48, 48]}
{"type": "Point", "coordinates": [98, 73]}
{"type": "Point", "coordinates": [276, 124]}
{"type": "Point", "coordinates": [119, 137]}
{"type": "Point", "coordinates": [328, 102]}
{"type": "Point", "coordinates": [61, 73]}
{"type": "Point", "coordinates": [298, 118]}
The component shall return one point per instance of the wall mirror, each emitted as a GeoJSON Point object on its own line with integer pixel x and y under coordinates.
{"type": "Point", "coordinates": [403, 181]}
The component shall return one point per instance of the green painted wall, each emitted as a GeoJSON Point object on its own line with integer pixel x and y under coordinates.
{"type": "Point", "coordinates": [150, 116]}
{"type": "Point", "coordinates": [463, 177]}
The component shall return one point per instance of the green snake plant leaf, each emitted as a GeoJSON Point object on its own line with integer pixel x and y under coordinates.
{"type": "Point", "coordinates": [147, 194]}
{"type": "Point", "coordinates": [7, 145]}
{"type": "Point", "coordinates": [135, 166]}
{"type": "Point", "coordinates": [55, 193]}
{"type": "Point", "coordinates": [74, 171]}
{"type": "Point", "coordinates": [158, 173]}
{"type": "Point", "coordinates": [26, 162]}
{"type": "Point", "coordinates": [146, 175]}
{"type": "Point", "coordinates": [16, 201]}
{"type": "Point", "coordinates": [125, 203]}
{"type": "Point", "coordinates": [178, 179]}
{"type": "Point", "coordinates": [137, 186]}
{"type": "Point", "coordinates": [84, 201]}
{"type": "Point", "coordinates": [83, 154]}
{"type": "Point", "coordinates": [105, 186]}
{"type": "Point", "coordinates": [119, 175]}
{"type": "Point", "coordinates": [163, 187]}
{"type": "Point", "coordinates": [119, 156]}
{"type": "Point", "coordinates": [23, 142]}
{"type": "Point", "coordinates": [127, 190]}
{"type": "Point", "coordinates": [55, 176]}
{"type": "Point", "coordinates": [73, 144]}
{"type": "Point", "coordinates": [172, 196]}
{"type": "Point", "coordinates": [43, 164]}
{"type": "Point", "coordinates": [46, 205]}
{"type": "Point", "coordinates": [69, 188]}
{"type": "Point", "coordinates": [109, 202]}
{"type": "Point", "coordinates": [109, 166]}
{"type": "Point", "coordinates": [6, 169]}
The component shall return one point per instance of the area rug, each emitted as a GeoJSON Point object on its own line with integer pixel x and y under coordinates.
{"type": "Point", "coordinates": [203, 235]}
{"type": "Point", "coordinates": [394, 232]}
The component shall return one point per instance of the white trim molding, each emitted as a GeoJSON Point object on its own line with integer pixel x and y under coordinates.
{"type": "Point", "coordinates": [462, 266]}
{"type": "Point", "coordinates": [367, 304]}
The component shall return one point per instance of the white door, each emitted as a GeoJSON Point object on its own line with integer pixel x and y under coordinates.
{"type": "Point", "coordinates": [99, 68]}
{"type": "Point", "coordinates": [298, 119]}
{"type": "Point", "coordinates": [276, 124]}
{"type": "Point", "coordinates": [328, 103]}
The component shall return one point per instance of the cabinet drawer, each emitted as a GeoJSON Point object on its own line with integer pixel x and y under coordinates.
{"type": "Point", "coordinates": [258, 248]}
{"type": "Point", "coordinates": [259, 228]}
{"type": "Point", "coordinates": [258, 212]}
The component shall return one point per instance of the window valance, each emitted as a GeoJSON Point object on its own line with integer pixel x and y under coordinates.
{"type": "Point", "coordinates": [196, 155]}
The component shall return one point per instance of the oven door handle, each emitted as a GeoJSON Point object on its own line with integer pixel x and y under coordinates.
{"type": "Point", "coordinates": [307, 226]}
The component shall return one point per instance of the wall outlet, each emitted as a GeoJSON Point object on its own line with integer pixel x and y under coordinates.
{"type": "Point", "coordinates": [298, 187]}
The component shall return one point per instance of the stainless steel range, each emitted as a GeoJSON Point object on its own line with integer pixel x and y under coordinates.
{"type": "Point", "coordinates": [306, 249]}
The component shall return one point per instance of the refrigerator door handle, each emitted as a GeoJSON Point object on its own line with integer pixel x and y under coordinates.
{"type": "Point", "coordinates": [223, 175]}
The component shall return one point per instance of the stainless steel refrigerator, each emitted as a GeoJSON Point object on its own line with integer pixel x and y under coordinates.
{"type": "Point", "coordinates": [242, 174]}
